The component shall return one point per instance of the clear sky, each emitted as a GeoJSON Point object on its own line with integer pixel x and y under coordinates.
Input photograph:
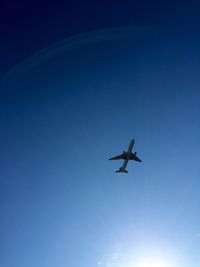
{"type": "Point", "coordinates": [78, 98]}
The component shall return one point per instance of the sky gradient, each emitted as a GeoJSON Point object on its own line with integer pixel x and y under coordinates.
{"type": "Point", "coordinates": [75, 97]}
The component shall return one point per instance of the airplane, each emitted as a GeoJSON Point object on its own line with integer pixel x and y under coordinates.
{"type": "Point", "coordinates": [126, 156]}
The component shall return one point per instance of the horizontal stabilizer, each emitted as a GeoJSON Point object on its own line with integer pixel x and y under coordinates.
{"type": "Point", "coordinates": [122, 170]}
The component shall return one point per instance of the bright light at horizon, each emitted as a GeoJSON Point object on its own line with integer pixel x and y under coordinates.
{"type": "Point", "coordinates": [154, 257]}
{"type": "Point", "coordinates": [153, 263]}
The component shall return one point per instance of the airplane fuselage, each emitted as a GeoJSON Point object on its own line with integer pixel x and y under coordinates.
{"type": "Point", "coordinates": [126, 156]}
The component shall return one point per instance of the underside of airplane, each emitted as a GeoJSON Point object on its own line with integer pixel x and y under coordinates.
{"type": "Point", "coordinates": [126, 156]}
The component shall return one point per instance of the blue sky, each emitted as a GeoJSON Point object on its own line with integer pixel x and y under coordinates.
{"type": "Point", "coordinates": [64, 113]}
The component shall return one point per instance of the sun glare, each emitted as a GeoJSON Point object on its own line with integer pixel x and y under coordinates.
{"type": "Point", "coordinates": [153, 263]}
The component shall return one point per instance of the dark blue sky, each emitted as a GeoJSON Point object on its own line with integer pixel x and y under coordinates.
{"type": "Point", "coordinates": [27, 27]}
{"type": "Point", "coordinates": [78, 81]}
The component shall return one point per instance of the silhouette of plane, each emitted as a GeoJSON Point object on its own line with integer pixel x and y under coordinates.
{"type": "Point", "coordinates": [126, 156]}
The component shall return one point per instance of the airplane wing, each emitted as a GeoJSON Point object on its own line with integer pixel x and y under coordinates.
{"type": "Point", "coordinates": [137, 159]}
{"type": "Point", "coordinates": [134, 157]}
{"type": "Point", "coordinates": [121, 156]}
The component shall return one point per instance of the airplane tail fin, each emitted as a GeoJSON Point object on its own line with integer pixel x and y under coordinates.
{"type": "Point", "coordinates": [122, 170]}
